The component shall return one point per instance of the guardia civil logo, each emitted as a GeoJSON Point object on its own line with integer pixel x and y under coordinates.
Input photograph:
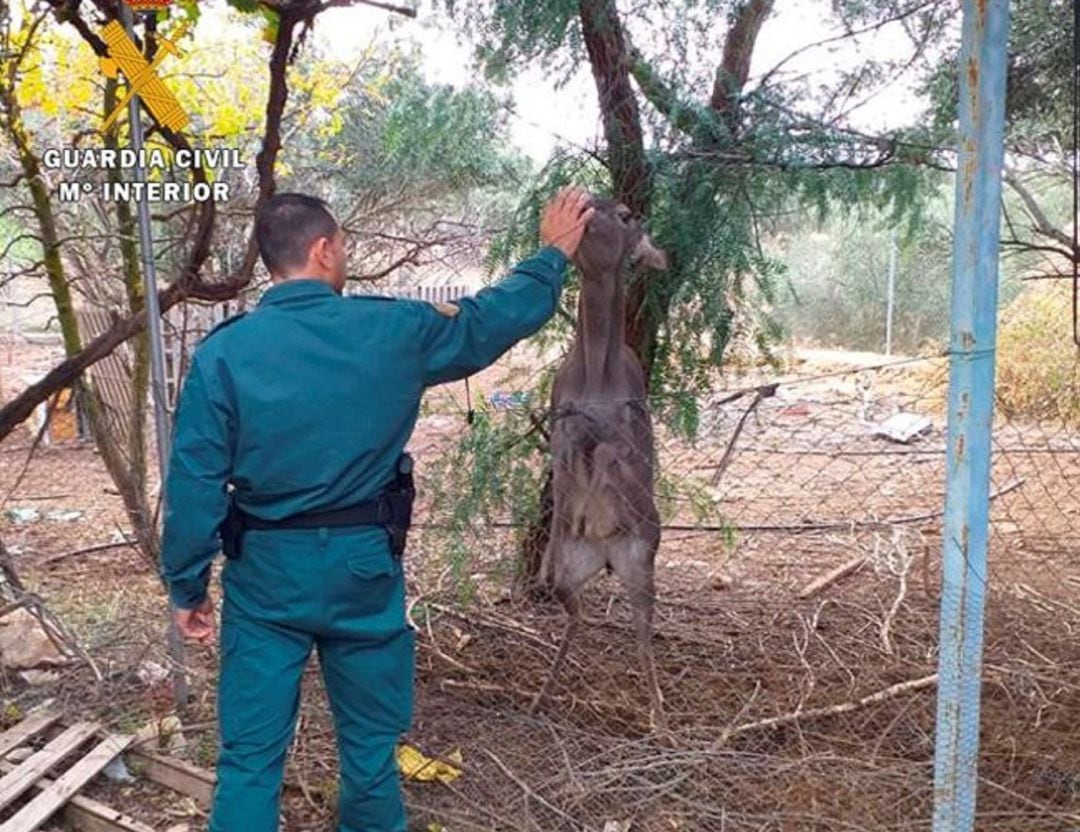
{"type": "Point", "coordinates": [151, 174]}
{"type": "Point", "coordinates": [141, 75]}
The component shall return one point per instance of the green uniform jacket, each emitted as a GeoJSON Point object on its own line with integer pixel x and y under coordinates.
{"type": "Point", "coordinates": [306, 402]}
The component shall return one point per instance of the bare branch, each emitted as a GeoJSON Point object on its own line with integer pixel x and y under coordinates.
{"type": "Point", "coordinates": [275, 107]}
{"type": "Point", "coordinates": [16, 240]}
{"type": "Point", "coordinates": [800, 714]}
{"type": "Point", "coordinates": [13, 68]}
{"type": "Point", "coordinates": [1024, 245]}
{"type": "Point", "coordinates": [31, 269]}
{"type": "Point", "coordinates": [66, 12]}
{"type": "Point", "coordinates": [67, 372]}
{"type": "Point", "coordinates": [408, 258]}
{"type": "Point", "coordinates": [11, 209]}
{"type": "Point", "coordinates": [189, 283]}
{"type": "Point", "coordinates": [1042, 224]}
{"type": "Point", "coordinates": [902, 14]}
{"type": "Point", "coordinates": [27, 303]}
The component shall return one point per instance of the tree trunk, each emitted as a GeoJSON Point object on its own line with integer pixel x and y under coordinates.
{"type": "Point", "coordinates": [607, 50]}
{"type": "Point", "coordinates": [535, 540]}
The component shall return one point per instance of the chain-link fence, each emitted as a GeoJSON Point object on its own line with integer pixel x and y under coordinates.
{"type": "Point", "coordinates": [796, 621]}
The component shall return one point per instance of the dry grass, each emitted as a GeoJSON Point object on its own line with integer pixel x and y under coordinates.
{"type": "Point", "coordinates": [1038, 364]}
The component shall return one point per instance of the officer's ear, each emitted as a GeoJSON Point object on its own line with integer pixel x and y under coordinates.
{"type": "Point", "coordinates": [321, 252]}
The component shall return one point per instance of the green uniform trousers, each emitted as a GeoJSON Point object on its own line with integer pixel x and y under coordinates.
{"type": "Point", "coordinates": [342, 592]}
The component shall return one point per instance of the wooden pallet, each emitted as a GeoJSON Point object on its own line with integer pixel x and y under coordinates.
{"type": "Point", "coordinates": [56, 773]}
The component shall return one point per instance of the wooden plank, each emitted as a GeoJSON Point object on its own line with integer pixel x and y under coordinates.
{"type": "Point", "coordinates": [832, 576]}
{"type": "Point", "coordinates": [30, 727]}
{"type": "Point", "coordinates": [119, 398]}
{"type": "Point", "coordinates": [22, 778]}
{"type": "Point", "coordinates": [110, 376]}
{"type": "Point", "coordinates": [88, 815]}
{"type": "Point", "coordinates": [179, 775]}
{"type": "Point", "coordinates": [49, 802]}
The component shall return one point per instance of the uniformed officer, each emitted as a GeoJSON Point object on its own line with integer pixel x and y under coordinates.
{"type": "Point", "coordinates": [296, 415]}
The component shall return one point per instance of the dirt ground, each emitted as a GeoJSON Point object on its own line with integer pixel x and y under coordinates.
{"type": "Point", "coordinates": [791, 709]}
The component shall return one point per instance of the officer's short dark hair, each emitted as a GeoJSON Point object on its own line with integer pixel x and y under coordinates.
{"type": "Point", "coordinates": [287, 226]}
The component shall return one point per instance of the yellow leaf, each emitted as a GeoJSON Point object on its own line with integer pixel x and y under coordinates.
{"type": "Point", "coordinates": [416, 766]}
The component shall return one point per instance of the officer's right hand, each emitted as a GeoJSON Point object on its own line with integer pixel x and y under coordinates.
{"type": "Point", "coordinates": [563, 221]}
{"type": "Point", "coordinates": [197, 624]}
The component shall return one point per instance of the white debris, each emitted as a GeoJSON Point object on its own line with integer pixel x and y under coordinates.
{"type": "Point", "coordinates": [17, 755]}
{"type": "Point", "coordinates": [21, 516]}
{"type": "Point", "coordinates": [62, 516]}
{"type": "Point", "coordinates": [43, 707]}
{"type": "Point", "coordinates": [117, 771]}
{"type": "Point", "coordinates": [39, 677]}
{"type": "Point", "coordinates": [151, 673]}
{"type": "Point", "coordinates": [904, 427]}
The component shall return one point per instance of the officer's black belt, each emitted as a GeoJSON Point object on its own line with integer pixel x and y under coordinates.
{"type": "Point", "coordinates": [374, 512]}
{"type": "Point", "coordinates": [392, 509]}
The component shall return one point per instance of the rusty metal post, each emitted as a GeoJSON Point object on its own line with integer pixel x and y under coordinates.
{"type": "Point", "coordinates": [971, 402]}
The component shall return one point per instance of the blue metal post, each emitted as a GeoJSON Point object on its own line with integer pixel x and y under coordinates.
{"type": "Point", "coordinates": [971, 403]}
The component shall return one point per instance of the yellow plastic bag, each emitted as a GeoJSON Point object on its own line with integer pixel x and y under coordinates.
{"type": "Point", "coordinates": [417, 766]}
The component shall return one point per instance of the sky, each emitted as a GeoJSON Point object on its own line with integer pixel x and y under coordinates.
{"type": "Point", "coordinates": [544, 116]}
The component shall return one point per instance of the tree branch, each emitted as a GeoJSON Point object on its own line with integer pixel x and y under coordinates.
{"type": "Point", "coordinates": [389, 7]}
{"type": "Point", "coordinates": [683, 116]}
{"type": "Point", "coordinates": [26, 304]}
{"type": "Point", "coordinates": [1022, 245]}
{"type": "Point", "coordinates": [902, 14]}
{"type": "Point", "coordinates": [16, 61]}
{"type": "Point", "coordinates": [409, 257]}
{"type": "Point", "coordinates": [67, 12]}
{"type": "Point", "coordinates": [16, 240]}
{"type": "Point", "coordinates": [734, 66]}
{"type": "Point", "coordinates": [276, 99]}
{"type": "Point", "coordinates": [1042, 224]}
{"type": "Point", "coordinates": [33, 268]}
